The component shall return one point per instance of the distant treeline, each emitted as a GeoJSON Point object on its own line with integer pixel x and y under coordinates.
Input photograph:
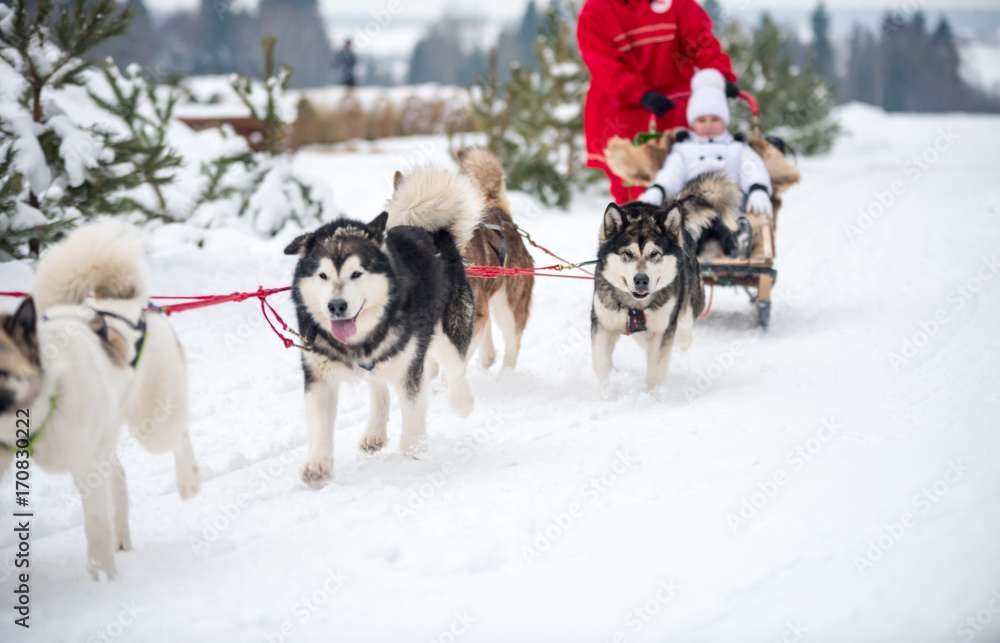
{"type": "Point", "coordinates": [906, 65]}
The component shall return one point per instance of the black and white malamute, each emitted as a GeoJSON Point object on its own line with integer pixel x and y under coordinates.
{"type": "Point", "coordinates": [375, 300]}
{"type": "Point", "coordinates": [648, 282]}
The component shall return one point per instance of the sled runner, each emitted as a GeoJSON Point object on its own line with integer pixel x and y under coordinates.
{"type": "Point", "coordinates": [637, 163]}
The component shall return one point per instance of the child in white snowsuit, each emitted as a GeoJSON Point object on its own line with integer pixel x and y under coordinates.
{"type": "Point", "coordinates": [708, 148]}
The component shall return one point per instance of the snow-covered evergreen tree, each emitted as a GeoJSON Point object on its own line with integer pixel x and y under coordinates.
{"type": "Point", "coordinates": [272, 194]}
{"type": "Point", "coordinates": [534, 124]}
{"type": "Point", "coordinates": [795, 103]}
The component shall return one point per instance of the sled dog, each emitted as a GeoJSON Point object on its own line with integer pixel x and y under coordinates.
{"type": "Point", "coordinates": [80, 357]}
{"type": "Point", "coordinates": [648, 281]}
{"type": "Point", "coordinates": [374, 300]}
{"type": "Point", "coordinates": [496, 242]}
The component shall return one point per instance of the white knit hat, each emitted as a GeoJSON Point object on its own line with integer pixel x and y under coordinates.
{"type": "Point", "coordinates": [708, 96]}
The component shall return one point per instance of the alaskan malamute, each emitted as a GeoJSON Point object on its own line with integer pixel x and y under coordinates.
{"type": "Point", "coordinates": [80, 358]}
{"type": "Point", "coordinates": [375, 300]}
{"type": "Point", "coordinates": [648, 281]}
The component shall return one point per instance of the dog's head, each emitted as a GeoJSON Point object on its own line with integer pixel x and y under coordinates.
{"type": "Point", "coordinates": [343, 277]}
{"type": "Point", "coordinates": [641, 247]}
{"type": "Point", "coordinates": [20, 365]}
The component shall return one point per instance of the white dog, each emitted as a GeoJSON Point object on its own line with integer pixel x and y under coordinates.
{"type": "Point", "coordinates": [80, 358]}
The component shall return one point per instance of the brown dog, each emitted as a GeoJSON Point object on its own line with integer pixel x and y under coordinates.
{"type": "Point", "coordinates": [496, 243]}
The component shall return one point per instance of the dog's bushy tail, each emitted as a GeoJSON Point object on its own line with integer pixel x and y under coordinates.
{"type": "Point", "coordinates": [711, 196]}
{"type": "Point", "coordinates": [434, 198]}
{"type": "Point", "coordinates": [486, 173]}
{"type": "Point", "coordinates": [103, 259]}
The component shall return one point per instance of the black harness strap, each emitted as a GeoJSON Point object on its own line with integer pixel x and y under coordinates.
{"type": "Point", "coordinates": [636, 321]}
{"type": "Point", "coordinates": [502, 252]}
{"type": "Point", "coordinates": [139, 327]}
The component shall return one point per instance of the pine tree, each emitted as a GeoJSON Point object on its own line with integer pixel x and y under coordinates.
{"type": "Point", "coordinates": [794, 103]}
{"type": "Point", "coordinates": [270, 171]}
{"type": "Point", "coordinates": [65, 171]}
{"type": "Point", "coordinates": [146, 113]}
{"type": "Point", "coordinates": [860, 80]}
{"type": "Point", "coordinates": [298, 27]}
{"type": "Point", "coordinates": [714, 11]}
{"type": "Point", "coordinates": [821, 51]}
{"type": "Point", "coordinates": [535, 123]}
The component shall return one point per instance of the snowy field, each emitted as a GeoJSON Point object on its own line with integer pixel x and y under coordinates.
{"type": "Point", "coordinates": [835, 479]}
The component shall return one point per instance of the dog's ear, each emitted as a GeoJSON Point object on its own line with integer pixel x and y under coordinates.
{"type": "Point", "coordinates": [613, 219]}
{"type": "Point", "coordinates": [299, 245]}
{"type": "Point", "coordinates": [20, 327]}
{"type": "Point", "coordinates": [397, 180]}
{"type": "Point", "coordinates": [376, 228]}
{"type": "Point", "coordinates": [672, 219]}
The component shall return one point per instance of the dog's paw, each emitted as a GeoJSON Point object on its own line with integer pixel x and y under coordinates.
{"type": "Point", "coordinates": [95, 567]}
{"type": "Point", "coordinates": [372, 442]}
{"type": "Point", "coordinates": [413, 447]}
{"type": "Point", "coordinates": [188, 482]}
{"type": "Point", "coordinates": [317, 472]}
{"type": "Point", "coordinates": [488, 356]}
{"type": "Point", "coordinates": [124, 542]}
{"type": "Point", "coordinates": [461, 401]}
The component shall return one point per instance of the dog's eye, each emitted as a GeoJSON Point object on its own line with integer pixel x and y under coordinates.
{"type": "Point", "coordinates": [626, 256]}
{"type": "Point", "coordinates": [322, 276]}
{"type": "Point", "coordinates": [655, 255]}
{"type": "Point", "coordinates": [355, 274]}
{"type": "Point", "coordinates": [4, 375]}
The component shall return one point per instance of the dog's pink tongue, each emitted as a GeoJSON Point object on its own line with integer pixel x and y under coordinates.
{"type": "Point", "coordinates": [343, 329]}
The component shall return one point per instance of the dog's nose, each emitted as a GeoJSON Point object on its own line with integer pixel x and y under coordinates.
{"type": "Point", "coordinates": [338, 307]}
{"type": "Point", "coordinates": [641, 281]}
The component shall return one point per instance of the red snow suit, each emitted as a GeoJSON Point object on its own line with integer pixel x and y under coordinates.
{"type": "Point", "coordinates": [635, 46]}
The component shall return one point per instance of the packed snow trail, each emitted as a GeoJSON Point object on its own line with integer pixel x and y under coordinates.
{"type": "Point", "coordinates": [835, 479]}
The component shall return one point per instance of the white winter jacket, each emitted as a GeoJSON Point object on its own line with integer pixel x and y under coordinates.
{"type": "Point", "coordinates": [694, 155]}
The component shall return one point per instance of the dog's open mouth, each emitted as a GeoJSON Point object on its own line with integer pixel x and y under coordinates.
{"type": "Point", "coordinates": [344, 329]}
{"type": "Point", "coordinates": [640, 294]}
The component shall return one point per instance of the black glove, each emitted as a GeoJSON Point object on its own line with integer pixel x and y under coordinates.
{"type": "Point", "coordinates": [656, 103]}
{"type": "Point", "coordinates": [732, 89]}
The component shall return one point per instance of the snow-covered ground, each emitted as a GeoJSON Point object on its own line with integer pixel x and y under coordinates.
{"type": "Point", "coordinates": [835, 479]}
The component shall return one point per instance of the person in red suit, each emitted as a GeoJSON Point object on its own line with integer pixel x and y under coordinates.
{"type": "Point", "coordinates": [639, 52]}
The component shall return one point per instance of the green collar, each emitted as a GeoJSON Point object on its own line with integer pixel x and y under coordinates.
{"type": "Point", "coordinates": [32, 437]}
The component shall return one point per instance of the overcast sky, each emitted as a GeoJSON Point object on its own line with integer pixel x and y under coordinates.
{"type": "Point", "coordinates": [507, 8]}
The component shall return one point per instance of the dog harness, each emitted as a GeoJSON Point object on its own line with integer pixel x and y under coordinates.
{"type": "Point", "coordinates": [32, 438]}
{"type": "Point", "coordinates": [636, 322]}
{"type": "Point", "coordinates": [502, 252]}
{"type": "Point", "coordinates": [139, 327]}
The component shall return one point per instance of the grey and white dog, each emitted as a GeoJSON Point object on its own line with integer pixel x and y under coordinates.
{"type": "Point", "coordinates": [376, 300]}
{"type": "Point", "coordinates": [648, 281]}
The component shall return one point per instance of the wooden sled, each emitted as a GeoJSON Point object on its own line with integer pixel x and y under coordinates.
{"type": "Point", "coordinates": [637, 163]}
